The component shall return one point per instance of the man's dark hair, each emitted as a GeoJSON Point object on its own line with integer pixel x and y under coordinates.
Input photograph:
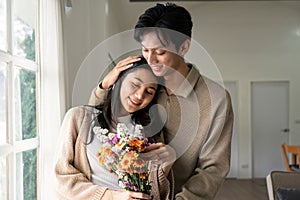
{"type": "Point", "coordinates": [169, 20]}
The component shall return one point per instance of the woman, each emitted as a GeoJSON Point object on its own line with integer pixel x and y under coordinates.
{"type": "Point", "coordinates": [79, 175]}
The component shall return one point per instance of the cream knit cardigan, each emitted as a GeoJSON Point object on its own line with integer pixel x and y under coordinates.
{"type": "Point", "coordinates": [72, 169]}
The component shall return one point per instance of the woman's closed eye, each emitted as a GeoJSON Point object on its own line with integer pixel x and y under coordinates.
{"type": "Point", "coordinates": [135, 85]}
{"type": "Point", "coordinates": [150, 92]}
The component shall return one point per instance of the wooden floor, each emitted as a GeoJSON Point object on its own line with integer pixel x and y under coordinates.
{"type": "Point", "coordinates": [244, 189]}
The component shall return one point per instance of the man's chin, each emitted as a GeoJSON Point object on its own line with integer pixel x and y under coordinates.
{"type": "Point", "coordinates": [158, 71]}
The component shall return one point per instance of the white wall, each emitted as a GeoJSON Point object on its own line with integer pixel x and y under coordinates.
{"type": "Point", "coordinates": [253, 41]}
{"type": "Point", "coordinates": [249, 41]}
{"type": "Point", "coordinates": [83, 29]}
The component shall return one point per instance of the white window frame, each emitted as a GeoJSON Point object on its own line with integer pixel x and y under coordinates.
{"type": "Point", "coordinates": [50, 92]}
{"type": "Point", "coordinates": [12, 147]}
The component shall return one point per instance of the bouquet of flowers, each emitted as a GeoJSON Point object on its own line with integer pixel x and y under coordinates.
{"type": "Point", "coordinates": [120, 154]}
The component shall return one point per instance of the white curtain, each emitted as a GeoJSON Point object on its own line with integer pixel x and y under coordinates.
{"type": "Point", "coordinates": [52, 101]}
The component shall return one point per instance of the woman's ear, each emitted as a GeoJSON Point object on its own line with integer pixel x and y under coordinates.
{"type": "Point", "coordinates": [184, 47]}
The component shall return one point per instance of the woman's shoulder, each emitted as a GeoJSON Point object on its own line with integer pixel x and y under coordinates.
{"type": "Point", "coordinates": [81, 115]}
{"type": "Point", "coordinates": [81, 111]}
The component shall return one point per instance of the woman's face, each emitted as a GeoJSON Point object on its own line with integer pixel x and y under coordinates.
{"type": "Point", "coordinates": [137, 90]}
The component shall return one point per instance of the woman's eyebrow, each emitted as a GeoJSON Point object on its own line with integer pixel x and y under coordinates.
{"type": "Point", "coordinates": [137, 78]}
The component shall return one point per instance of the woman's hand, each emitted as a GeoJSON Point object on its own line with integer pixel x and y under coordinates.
{"type": "Point", "coordinates": [123, 194]}
{"type": "Point", "coordinates": [161, 154]}
{"type": "Point", "coordinates": [113, 75]}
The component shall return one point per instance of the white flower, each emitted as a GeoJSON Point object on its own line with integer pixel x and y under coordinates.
{"type": "Point", "coordinates": [104, 131]}
{"type": "Point", "coordinates": [111, 136]}
{"type": "Point", "coordinates": [102, 138]}
{"type": "Point", "coordinates": [124, 140]}
{"type": "Point", "coordinates": [125, 178]}
{"type": "Point", "coordinates": [127, 149]}
{"type": "Point", "coordinates": [138, 130]}
{"type": "Point", "coordinates": [118, 148]}
{"type": "Point", "coordinates": [121, 184]}
{"type": "Point", "coordinates": [99, 130]}
{"type": "Point", "coordinates": [122, 130]}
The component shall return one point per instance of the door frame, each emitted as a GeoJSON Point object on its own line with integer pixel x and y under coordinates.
{"type": "Point", "coordinates": [235, 133]}
{"type": "Point", "coordinates": [251, 115]}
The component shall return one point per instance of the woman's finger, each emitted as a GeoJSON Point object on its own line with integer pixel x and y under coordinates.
{"type": "Point", "coordinates": [139, 195]}
{"type": "Point", "coordinates": [163, 154]}
{"type": "Point", "coordinates": [153, 147]}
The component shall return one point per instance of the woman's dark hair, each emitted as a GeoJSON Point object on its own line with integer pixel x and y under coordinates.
{"type": "Point", "coordinates": [168, 20]}
{"type": "Point", "coordinates": [111, 107]}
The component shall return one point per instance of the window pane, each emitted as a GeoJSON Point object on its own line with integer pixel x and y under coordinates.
{"type": "Point", "coordinates": [25, 104]}
{"type": "Point", "coordinates": [27, 174]}
{"type": "Point", "coordinates": [3, 178]}
{"type": "Point", "coordinates": [3, 27]}
{"type": "Point", "coordinates": [24, 23]}
{"type": "Point", "coordinates": [2, 103]}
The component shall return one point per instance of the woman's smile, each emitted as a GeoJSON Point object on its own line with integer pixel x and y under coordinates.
{"type": "Point", "coordinates": [134, 101]}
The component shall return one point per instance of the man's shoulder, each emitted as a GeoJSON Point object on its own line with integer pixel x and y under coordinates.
{"type": "Point", "coordinates": [204, 80]}
{"type": "Point", "coordinates": [215, 89]}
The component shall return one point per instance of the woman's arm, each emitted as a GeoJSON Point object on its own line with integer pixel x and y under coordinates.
{"type": "Point", "coordinates": [72, 169]}
{"type": "Point", "coordinates": [72, 172]}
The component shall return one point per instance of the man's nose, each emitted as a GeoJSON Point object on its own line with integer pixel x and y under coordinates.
{"type": "Point", "coordinates": [151, 58]}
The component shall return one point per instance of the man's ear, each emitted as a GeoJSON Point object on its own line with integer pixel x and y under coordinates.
{"type": "Point", "coordinates": [184, 47]}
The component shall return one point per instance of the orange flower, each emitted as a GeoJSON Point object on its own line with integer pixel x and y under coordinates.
{"type": "Point", "coordinates": [103, 153]}
{"type": "Point", "coordinates": [139, 163]}
{"type": "Point", "coordinates": [124, 164]}
{"type": "Point", "coordinates": [131, 155]}
{"type": "Point", "coordinates": [137, 144]}
{"type": "Point", "coordinates": [101, 160]}
{"type": "Point", "coordinates": [144, 175]}
{"type": "Point", "coordinates": [107, 151]}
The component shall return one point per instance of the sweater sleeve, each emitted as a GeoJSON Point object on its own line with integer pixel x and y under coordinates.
{"type": "Point", "coordinates": [73, 183]}
{"type": "Point", "coordinates": [98, 95]}
{"type": "Point", "coordinates": [214, 159]}
{"type": "Point", "coordinates": [162, 184]}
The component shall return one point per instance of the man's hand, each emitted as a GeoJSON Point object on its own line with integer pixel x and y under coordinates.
{"type": "Point", "coordinates": [113, 75]}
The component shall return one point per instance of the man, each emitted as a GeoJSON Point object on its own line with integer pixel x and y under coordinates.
{"type": "Point", "coordinates": [199, 116]}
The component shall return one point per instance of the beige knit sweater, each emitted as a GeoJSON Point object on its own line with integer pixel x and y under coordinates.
{"type": "Point", "coordinates": [72, 169]}
{"type": "Point", "coordinates": [199, 127]}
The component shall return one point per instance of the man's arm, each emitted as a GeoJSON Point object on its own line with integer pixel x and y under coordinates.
{"type": "Point", "coordinates": [98, 95]}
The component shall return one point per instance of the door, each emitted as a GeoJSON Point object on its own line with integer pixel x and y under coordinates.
{"type": "Point", "coordinates": [232, 89]}
{"type": "Point", "coordinates": [269, 125]}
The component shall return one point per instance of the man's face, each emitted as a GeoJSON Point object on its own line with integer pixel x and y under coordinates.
{"type": "Point", "coordinates": [162, 59]}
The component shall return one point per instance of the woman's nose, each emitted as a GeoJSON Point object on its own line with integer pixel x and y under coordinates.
{"type": "Point", "coordinates": [139, 94]}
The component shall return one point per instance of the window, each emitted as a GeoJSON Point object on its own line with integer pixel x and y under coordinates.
{"type": "Point", "coordinates": [19, 94]}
